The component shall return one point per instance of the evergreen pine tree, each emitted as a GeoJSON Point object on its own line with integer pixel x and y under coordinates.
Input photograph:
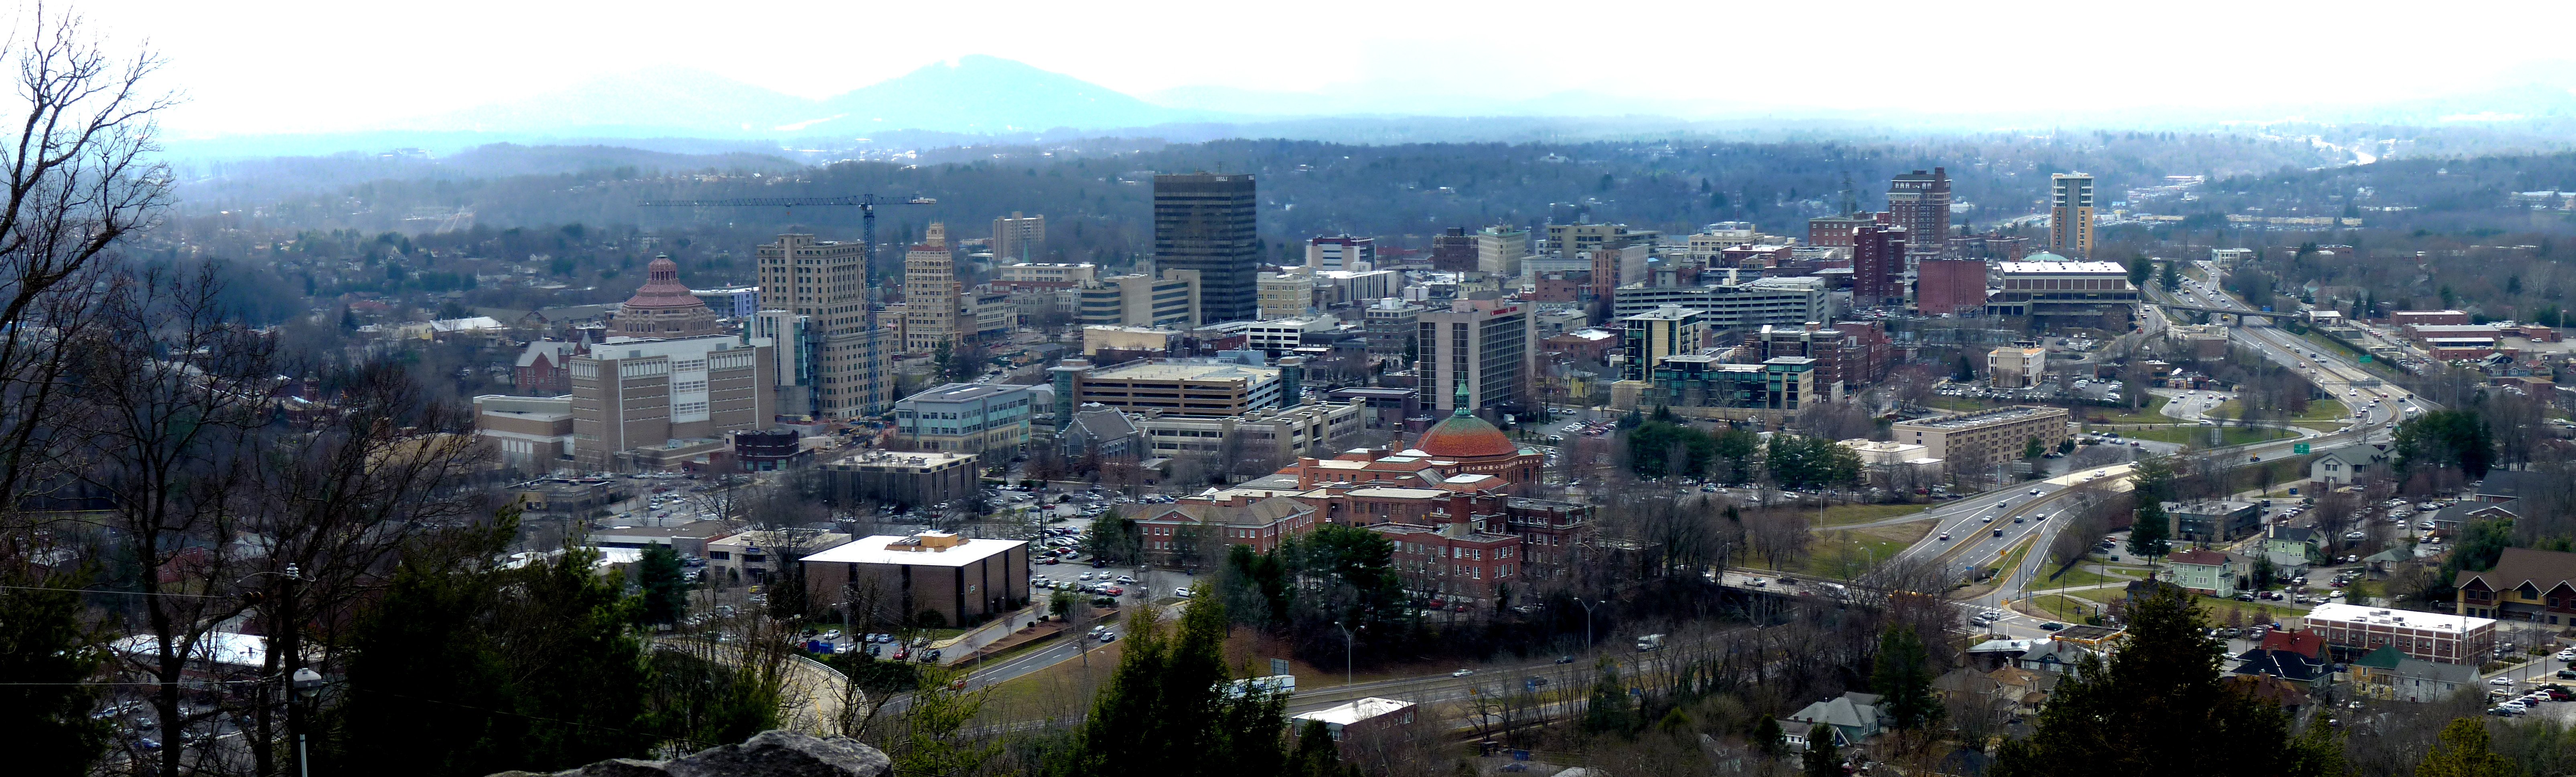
{"type": "Point", "coordinates": [48, 655]}
{"type": "Point", "coordinates": [1823, 758]}
{"type": "Point", "coordinates": [2461, 750]}
{"type": "Point", "coordinates": [1903, 678]}
{"type": "Point", "coordinates": [2156, 707]}
{"type": "Point", "coordinates": [664, 584]}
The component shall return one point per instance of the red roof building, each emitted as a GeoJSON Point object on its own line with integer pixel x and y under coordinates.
{"type": "Point", "coordinates": [664, 308]}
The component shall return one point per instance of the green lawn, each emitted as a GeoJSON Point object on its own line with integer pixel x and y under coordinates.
{"type": "Point", "coordinates": [1958, 404]}
{"type": "Point", "coordinates": [1847, 554]}
{"type": "Point", "coordinates": [2254, 612]}
{"type": "Point", "coordinates": [2198, 436]}
{"type": "Point", "coordinates": [1846, 515]}
{"type": "Point", "coordinates": [2325, 415]}
{"type": "Point", "coordinates": [2152, 414]}
{"type": "Point", "coordinates": [2066, 608]}
{"type": "Point", "coordinates": [2082, 577]}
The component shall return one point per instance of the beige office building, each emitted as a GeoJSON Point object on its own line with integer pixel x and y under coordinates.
{"type": "Point", "coordinates": [1500, 249]}
{"type": "Point", "coordinates": [1167, 299]}
{"type": "Point", "coordinates": [1286, 295]}
{"type": "Point", "coordinates": [1018, 238]}
{"type": "Point", "coordinates": [823, 288]}
{"type": "Point", "coordinates": [2070, 214]}
{"type": "Point", "coordinates": [1310, 429]}
{"type": "Point", "coordinates": [930, 303]}
{"type": "Point", "coordinates": [1175, 386]}
{"type": "Point", "coordinates": [630, 394]}
{"type": "Point", "coordinates": [1974, 442]}
{"type": "Point", "coordinates": [934, 578]}
{"type": "Point", "coordinates": [2017, 366]}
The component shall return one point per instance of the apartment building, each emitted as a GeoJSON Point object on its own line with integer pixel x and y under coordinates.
{"type": "Point", "coordinates": [1453, 250]}
{"type": "Point", "coordinates": [2070, 214]}
{"type": "Point", "coordinates": [1919, 203]}
{"type": "Point", "coordinates": [1018, 238]}
{"type": "Point", "coordinates": [1647, 338]}
{"type": "Point", "coordinates": [1975, 441]}
{"type": "Point", "coordinates": [982, 418]}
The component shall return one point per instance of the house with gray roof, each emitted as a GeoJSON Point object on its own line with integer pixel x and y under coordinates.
{"type": "Point", "coordinates": [1853, 717]}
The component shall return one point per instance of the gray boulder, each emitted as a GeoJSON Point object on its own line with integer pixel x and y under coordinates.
{"type": "Point", "coordinates": [770, 754]}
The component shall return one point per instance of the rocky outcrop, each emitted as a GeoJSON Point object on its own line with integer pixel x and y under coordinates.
{"type": "Point", "coordinates": [770, 754]}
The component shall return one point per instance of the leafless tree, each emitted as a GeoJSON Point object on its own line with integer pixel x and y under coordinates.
{"type": "Point", "coordinates": [79, 179]}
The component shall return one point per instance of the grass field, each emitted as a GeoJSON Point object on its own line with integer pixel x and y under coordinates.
{"type": "Point", "coordinates": [2071, 609]}
{"type": "Point", "coordinates": [2198, 436]}
{"type": "Point", "coordinates": [1846, 515]}
{"type": "Point", "coordinates": [2153, 413]}
{"type": "Point", "coordinates": [2080, 576]}
{"type": "Point", "coordinates": [1845, 554]}
{"type": "Point", "coordinates": [2324, 415]}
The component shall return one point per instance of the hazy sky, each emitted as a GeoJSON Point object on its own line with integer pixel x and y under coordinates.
{"type": "Point", "coordinates": [283, 66]}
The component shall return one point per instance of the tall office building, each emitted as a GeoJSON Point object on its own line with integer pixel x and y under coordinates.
{"type": "Point", "coordinates": [1341, 253]}
{"type": "Point", "coordinates": [819, 289]}
{"type": "Point", "coordinates": [1205, 222]}
{"type": "Point", "coordinates": [1878, 265]}
{"type": "Point", "coordinates": [2070, 214]}
{"type": "Point", "coordinates": [1480, 344]}
{"type": "Point", "coordinates": [1920, 202]}
{"type": "Point", "coordinates": [1453, 250]}
{"type": "Point", "coordinates": [930, 293]}
{"type": "Point", "coordinates": [1018, 238]}
{"type": "Point", "coordinates": [1500, 248]}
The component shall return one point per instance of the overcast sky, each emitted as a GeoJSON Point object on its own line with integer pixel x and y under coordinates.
{"type": "Point", "coordinates": [280, 66]}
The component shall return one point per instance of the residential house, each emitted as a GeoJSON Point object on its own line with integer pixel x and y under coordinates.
{"type": "Point", "coordinates": [2389, 674]}
{"type": "Point", "coordinates": [2348, 464]}
{"type": "Point", "coordinates": [2025, 689]}
{"type": "Point", "coordinates": [2281, 693]}
{"type": "Point", "coordinates": [2291, 550]}
{"type": "Point", "coordinates": [2205, 572]}
{"type": "Point", "coordinates": [2526, 585]}
{"type": "Point", "coordinates": [1851, 718]}
{"type": "Point", "coordinates": [2056, 656]}
{"type": "Point", "coordinates": [2505, 485]}
{"type": "Point", "coordinates": [2296, 656]}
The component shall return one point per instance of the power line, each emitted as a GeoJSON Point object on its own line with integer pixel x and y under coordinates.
{"type": "Point", "coordinates": [124, 593]}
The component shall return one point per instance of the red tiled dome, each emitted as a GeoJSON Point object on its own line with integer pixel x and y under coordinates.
{"type": "Point", "coordinates": [1465, 437]}
{"type": "Point", "coordinates": [662, 287]}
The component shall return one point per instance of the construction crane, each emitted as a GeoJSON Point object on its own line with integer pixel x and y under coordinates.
{"type": "Point", "coordinates": [866, 203]}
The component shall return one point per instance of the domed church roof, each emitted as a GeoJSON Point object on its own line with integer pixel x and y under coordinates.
{"type": "Point", "coordinates": [662, 287]}
{"type": "Point", "coordinates": [1464, 436]}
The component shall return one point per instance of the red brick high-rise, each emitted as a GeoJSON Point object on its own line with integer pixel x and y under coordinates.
{"type": "Point", "coordinates": [1453, 250]}
{"type": "Point", "coordinates": [1949, 286]}
{"type": "Point", "coordinates": [1878, 266]}
{"type": "Point", "coordinates": [1920, 202]}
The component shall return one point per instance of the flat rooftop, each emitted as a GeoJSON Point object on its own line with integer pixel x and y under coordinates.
{"type": "Point", "coordinates": [1353, 712]}
{"type": "Point", "coordinates": [2064, 268]}
{"type": "Point", "coordinates": [964, 392]}
{"type": "Point", "coordinates": [872, 550]}
{"type": "Point", "coordinates": [1980, 419]}
{"type": "Point", "coordinates": [2410, 619]}
{"type": "Point", "coordinates": [1169, 370]}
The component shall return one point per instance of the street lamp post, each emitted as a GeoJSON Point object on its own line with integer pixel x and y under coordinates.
{"type": "Point", "coordinates": [1346, 651]}
{"type": "Point", "coordinates": [1587, 612]}
{"type": "Point", "coordinates": [308, 684]}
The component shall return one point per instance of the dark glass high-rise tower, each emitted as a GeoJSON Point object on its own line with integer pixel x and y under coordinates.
{"type": "Point", "coordinates": [1204, 222]}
